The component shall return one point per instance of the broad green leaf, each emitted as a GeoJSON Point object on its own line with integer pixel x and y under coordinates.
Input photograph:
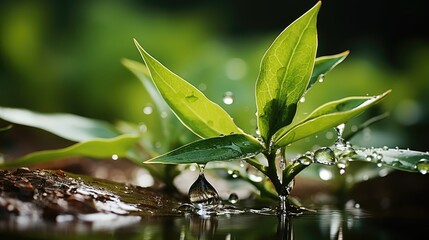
{"type": "Point", "coordinates": [285, 72]}
{"type": "Point", "coordinates": [96, 148]}
{"type": "Point", "coordinates": [202, 116]}
{"type": "Point", "coordinates": [235, 146]}
{"type": "Point", "coordinates": [68, 126]}
{"type": "Point", "coordinates": [400, 159]}
{"type": "Point", "coordinates": [325, 64]}
{"type": "Point", "coordinates": [328, 115]}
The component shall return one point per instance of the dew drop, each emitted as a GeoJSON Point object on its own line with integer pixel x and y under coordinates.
{"type": "Point", "coordinates": [148, 109]}
{"type": "Point", "coordinates": [302, 99]}
{"type": "Point", "coordinates": [115, 157]}
{"type": "Point", "coordinates": [385, 148]}
{"type": "Point", "coordinates": [423, 166]}
{"type": "Point", "coordinates": [228, 98]}
{"type": "Point", "coordinates": [342, 171]}
{"type": "Point", "coordinates": [304, 160]}
{"type": "Point", "coordinates": [233, 198]}
{"type": "Point", "coordinates": [321, 78]}
{"type": "Point", "coordinates": [325, 156]}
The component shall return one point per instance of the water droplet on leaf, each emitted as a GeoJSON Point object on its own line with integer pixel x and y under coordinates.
{"type": "Point", "coordinates": [115, 157]}
{"type": "Point", "coordinates": [423, 166]}
{"type": "Point", "coordinates": [304, 160]}
{"type": "Point", "coordinates": [325, 156]}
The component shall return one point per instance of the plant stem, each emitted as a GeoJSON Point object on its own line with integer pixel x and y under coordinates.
{"type": "Point", "coordinates": [272, 173]}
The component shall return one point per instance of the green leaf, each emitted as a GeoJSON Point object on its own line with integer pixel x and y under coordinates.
{"type": "Point", "coordinates": [328, 115]}
{"type": "Point", "coordinates": [96, 148]}
{"type": "Point", "coordinates": [400, 159]}
{"type": "Point", "coordinates": [235, 146]}
{"type": "Point", "coordinates": [68, 126]}
{"type": "Point", "coordinates": [325, 64]}
{"type": "Point", "coordinates": [285, 72]}
{"type": "Point", "coordinates": [202, 116]}
{"type": "Point", "coordinates": [141, 72]}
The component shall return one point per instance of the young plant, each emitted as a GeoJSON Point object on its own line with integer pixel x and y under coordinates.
{"type": "Point", "coordinates": [288, 70]}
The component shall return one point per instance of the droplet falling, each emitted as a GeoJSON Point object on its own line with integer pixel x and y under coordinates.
{"type": "Point", "coordinates": [202, 194]}
{"type": "Point", "coordinates": [228, 98]}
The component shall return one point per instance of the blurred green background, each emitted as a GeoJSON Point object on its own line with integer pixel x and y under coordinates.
{"type": "Point", "coordinates": [65, 56]}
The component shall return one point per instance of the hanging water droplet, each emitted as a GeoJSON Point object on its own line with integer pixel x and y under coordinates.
{"type": "Point", "coordinates": [321, 78]}
{"type": "Point", "coordinates": [202, 194]}
{"type": "Point", "coordinates": [304, 160]}
{"type": "Point", "coordinates": [379, 163]}
{"type": "Point", "coordinates": [233, 198]}
{"type": "Point", "coordinates": [325, 156]}
{"type": "Point", "coordinates": [148, 109]}
{"type": "Point", "coordinates": [115, 157]}
{"type": "Point", "coordinates": [228, 98]}
{"type": "Point", "coordinates": [423, 166]}
{"type": "Point", "coordinates": [342, 171]}
{"type": "Point", "coordinates": [302, 99]}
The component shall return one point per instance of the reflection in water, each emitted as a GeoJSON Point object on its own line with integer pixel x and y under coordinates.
{"type": "Point", "coordinates": [324, 224]}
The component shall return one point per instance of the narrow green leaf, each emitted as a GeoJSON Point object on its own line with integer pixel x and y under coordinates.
{"type": "Point", "coordinates": [68, 126]}
{"type": "Point", "coordinates": [141, 72]}
{"type": "Point", "coordinates": [328, 115]}
{"type": "Point", "coordinates": [325, 64]}
{"type": "Point", "coordinates": [96, 148]}
{"type": "Point", "coordinates": [400, 159]}
{"type": "Point", "coordinates": [235, 146]}
{"type": "Point", "coordinates": [202, 116]}
{"type": "Point", "coordinates": [285, 72]}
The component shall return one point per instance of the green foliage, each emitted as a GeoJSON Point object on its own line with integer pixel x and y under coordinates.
{"type": "Point", "coordinates": [288, 71]}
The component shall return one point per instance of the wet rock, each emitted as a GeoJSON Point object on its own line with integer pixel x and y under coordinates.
{"type": "Point", "coordinates": [55, 195]}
